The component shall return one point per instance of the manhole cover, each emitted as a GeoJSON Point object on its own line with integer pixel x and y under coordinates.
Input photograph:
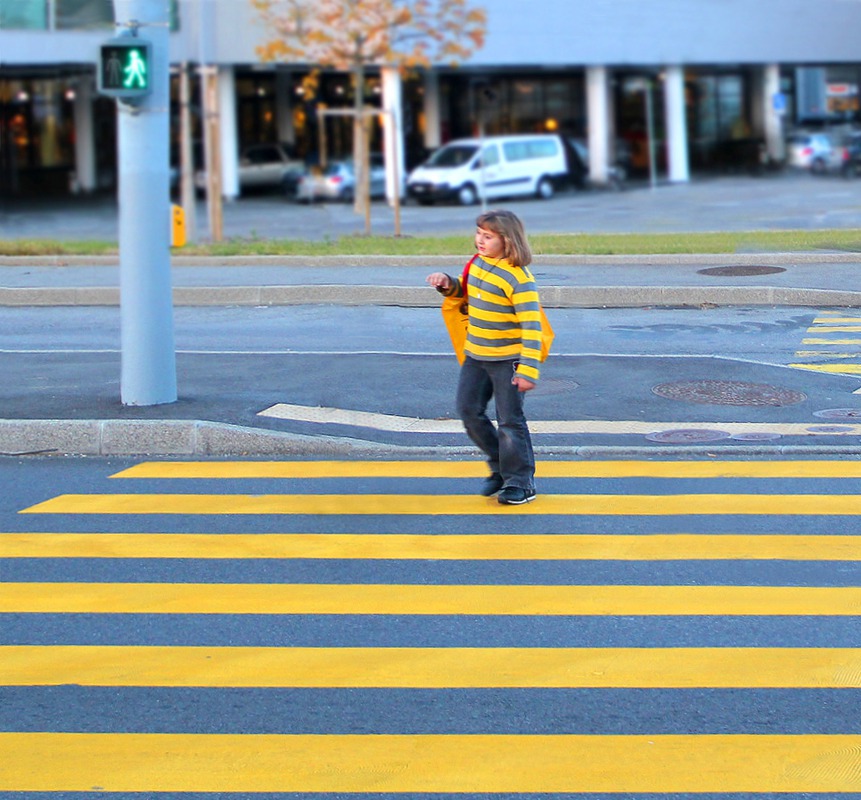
{"type": "Point", "coordinates": [831, 429]}
{"type": "Point", "coordinates": [755, 437]}
{"type": "Point", "coordinates": [729, 393]}
{"type": "Point", "coordinates": [838, 413]}
{"type": "Point", "coordinates": [740, 271]}
{"type": "Point", "coordinates": [686, 436]}
{"type": "Point", "coordinates": [556, 386]}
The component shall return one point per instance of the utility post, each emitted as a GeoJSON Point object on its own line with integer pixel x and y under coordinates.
{"type": "Point", "coordinates": [212, 146]}
{"type": "Point", "coordinates": [186, 155]}
{"type": "Point", "coordinates": [134, 69]}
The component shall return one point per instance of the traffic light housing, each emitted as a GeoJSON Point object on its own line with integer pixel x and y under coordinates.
{"type": "Point", "coordinates": [125, 68]}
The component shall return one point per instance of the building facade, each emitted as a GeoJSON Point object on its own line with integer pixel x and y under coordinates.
{"type": "Point", "coordinates": [680, 86]}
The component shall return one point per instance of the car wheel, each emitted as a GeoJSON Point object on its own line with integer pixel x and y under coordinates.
{"type": "Point", "coordinates": [467, 195]}
{"type": "Point", "coordinates": [545, 189]}
{"type": "Point", "coordinates": [850, 170]}
{"type": "Point", "coordinates": [347, 195]}
{"type": "Point", "coordinates": [818, 166]}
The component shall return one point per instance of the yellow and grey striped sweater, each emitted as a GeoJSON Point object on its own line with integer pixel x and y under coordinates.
{"type": "Point", "coordinates": [504, 314]}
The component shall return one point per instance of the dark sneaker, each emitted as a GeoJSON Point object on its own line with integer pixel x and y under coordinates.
{"type": "Point", "coordinates": [515, 496]}
{"type": "Point", "coordinates": [492, 484]}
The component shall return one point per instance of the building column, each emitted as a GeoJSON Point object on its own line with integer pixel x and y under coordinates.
{"type": "Point", "coordinates": [433, 120]}
{"type": "Point", "coordinates": [229, 131]}
{"type": "Point", "coordinates": [773, 109]}
{"type": "Point", "coordinates": [597, 103]}
{"type": "Point", "coordinates": [85, 138]}
{"type": "Point", "coordinates": [393, 132]}
{"type": "Point", "coordinates": [677, 132]}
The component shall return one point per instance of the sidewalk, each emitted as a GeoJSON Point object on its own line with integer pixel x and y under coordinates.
{"type": "Point", "coordinates": [806, 279]}
{"type": "Point", "coordinates": [585, 406]}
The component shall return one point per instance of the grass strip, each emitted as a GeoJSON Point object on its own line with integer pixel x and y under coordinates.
{"type": "Point", "coordinates": [840, 240]}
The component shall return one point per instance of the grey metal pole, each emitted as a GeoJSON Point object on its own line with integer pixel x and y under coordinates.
{"type": "Point", "coordinates": [148, 373]}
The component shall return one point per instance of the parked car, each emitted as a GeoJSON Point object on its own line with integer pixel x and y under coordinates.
{"type": "Point", "coordinates": [813, 151]}
{"type": "Point", "coordinates": [337, 181]}
{"type": "Point", "coordinates": [851, 165]}
{"type": "Point", "coordinates": [617, 174]}
{"type": "Point", "coordinates": [261, 166]}
{"type": "Point", "coordinates": [498, 166]}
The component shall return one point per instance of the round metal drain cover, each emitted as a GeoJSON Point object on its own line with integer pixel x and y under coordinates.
{"type": "Point", "coordinates": [686, 436]}
{"type": "Point", "coordinates": [729, 393]}
{"type": "Point", "coordinates": [740, 271]}
{"type": "Point", "coordinates": [755, 437]}
{"type": "Point", "coordinates": [838, 413]}
{"type": "Point", "coordinates": [556, 386]}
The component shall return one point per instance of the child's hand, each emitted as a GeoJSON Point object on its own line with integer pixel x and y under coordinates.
{"type": "Point", "coordinates": [522, 384]}
{"type": "Point", "coordinates": [439, 280]}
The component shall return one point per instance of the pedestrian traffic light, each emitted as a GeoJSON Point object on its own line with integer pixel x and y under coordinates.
{"type": "Point", "coordinates": [125, 68]}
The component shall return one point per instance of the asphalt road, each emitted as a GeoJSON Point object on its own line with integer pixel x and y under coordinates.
{"type": "Point", "coordinates": [635, 578]}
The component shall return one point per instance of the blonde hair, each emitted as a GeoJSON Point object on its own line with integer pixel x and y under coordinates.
{"type": "Point", "coordinates": [508, 226]}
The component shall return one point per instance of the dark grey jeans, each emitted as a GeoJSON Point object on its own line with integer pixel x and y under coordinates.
{"type": "Point", "coordinates": [508, 446]}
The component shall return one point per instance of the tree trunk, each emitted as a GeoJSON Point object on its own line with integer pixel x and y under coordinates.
{"type": "Point", "coordinates": [359, 146]}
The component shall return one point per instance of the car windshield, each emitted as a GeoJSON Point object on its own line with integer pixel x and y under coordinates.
{"type": "Point", "coordinates": [452, 156]}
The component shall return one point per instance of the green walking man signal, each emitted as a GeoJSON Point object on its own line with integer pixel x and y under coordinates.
{"type": "Point", "coordinates": [125, 68]}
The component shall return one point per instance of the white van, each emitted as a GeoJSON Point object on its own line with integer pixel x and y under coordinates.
{"type": "Point", "coordinates": [514, 165]}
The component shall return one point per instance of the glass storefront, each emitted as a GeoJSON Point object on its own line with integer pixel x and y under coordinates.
{"type": "Point", "coordinates": [37, 115]}
{"type": "Point", "coordinates": [37, 136]}
{"type": "Point", "coordinates": [63, 15]}
{"type": "Point", "coordinates": [512, 104]}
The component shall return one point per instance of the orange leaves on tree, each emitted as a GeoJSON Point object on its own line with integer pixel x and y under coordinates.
{"type": "Point", "coordinates": [350, 34]}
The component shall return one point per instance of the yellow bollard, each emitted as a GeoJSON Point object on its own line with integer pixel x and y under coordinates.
{"type": "Point", "coordinates": [177, 231]}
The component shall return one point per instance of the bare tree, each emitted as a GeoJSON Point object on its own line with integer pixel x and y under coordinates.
{"type": "Point", "coordinates": [353, 35]}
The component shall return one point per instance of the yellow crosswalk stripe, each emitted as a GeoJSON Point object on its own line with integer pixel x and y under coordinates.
{"type": "Point", "coordinates": [824, 354]}
{"type": "Point", "coordinates": [394, 504]}
{"type": "Point", "coordinates": [428, 763]}
{"type": "Point", "coordinates": [836, 328]}
{"type": "Point", "coordinates": [844, 369]}
{"type": "Point", "coordinates": [431, 668]}
{"type": "Point", "coordinates": [475, 469]}
{"type": "Point", "coordinates": [482, 547]}
{"type": "Point", "coordinates": [221, 598]}
{"type": "Point", "coordinates": [831, 341]}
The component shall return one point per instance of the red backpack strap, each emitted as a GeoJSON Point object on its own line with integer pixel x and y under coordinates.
{"type": "Point", "coordinates": [465, 274]}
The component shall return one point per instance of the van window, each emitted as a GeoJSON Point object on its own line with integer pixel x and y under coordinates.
{"type": "Point", "coordinates": [536, 148]}
{"type": "Point", "coordinates": [490, 156]}
{"type": "Point", "coordinates": [452, 156]}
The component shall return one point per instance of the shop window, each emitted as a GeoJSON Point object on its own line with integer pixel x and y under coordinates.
{"type": "Point", "coordinates": [32, 15]}
{"type": "Point", "coordinates": [69, 14]}
{"type": "Point", "coordinates": [84, 14]}
{"type": "Point", "coordinates": [733, 124]}
{"type": "Point", "coordinates": [527, 106]}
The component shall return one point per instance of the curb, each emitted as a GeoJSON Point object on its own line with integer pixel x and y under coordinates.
{"type": "Point", "coordinates": [680, 259]}
{"type": "Point", "coordinates": [201, 438]}
{"type": "Point", "coordinates": [420, 297]}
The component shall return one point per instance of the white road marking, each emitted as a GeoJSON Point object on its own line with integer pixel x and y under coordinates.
{"type": "Point", "coordinates": [399, 424]}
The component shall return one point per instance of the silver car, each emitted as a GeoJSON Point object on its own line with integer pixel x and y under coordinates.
{"type": "Point", "coordinates": [261, 166]}
{"type": "Point", "coordinates": [813, 151]}
{"type": "Point", "coordinates": [337, 181]}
